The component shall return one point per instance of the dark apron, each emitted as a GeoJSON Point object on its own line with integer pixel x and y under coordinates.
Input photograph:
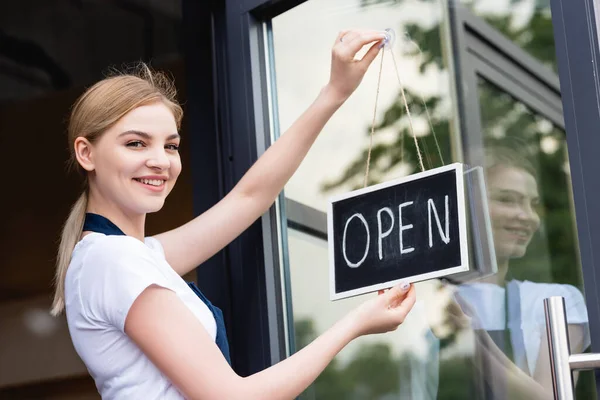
{"type": "Point", "coordinates": [509, 340]}
{"type": "Point", "coordinates": [100, 224]}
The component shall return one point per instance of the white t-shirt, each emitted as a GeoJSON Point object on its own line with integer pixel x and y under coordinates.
{"type": "Point", "coordinates": [105, 276]}
{"type": "Point", "coordinates": [486, 301]}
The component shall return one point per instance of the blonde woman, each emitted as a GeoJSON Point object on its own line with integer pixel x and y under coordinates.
{"type": "Point", "coordinates": [142, 332]}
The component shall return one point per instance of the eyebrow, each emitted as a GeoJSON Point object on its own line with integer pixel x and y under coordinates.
{"type": "Point", "coordinates": [147, 135]}
{"type": "Point", "coordinates": [510, 191]}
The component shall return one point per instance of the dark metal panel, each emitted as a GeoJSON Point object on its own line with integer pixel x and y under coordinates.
{"type": "Point", "coordinates": [252, 280]}
{"type": "Point", "coordinates": [201, 118]}
{"type": "Point", "coordinates": [578, 54]}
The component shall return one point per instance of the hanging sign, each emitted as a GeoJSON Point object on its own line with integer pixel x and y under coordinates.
{"type": "Point", "coordinates": [410, 229]}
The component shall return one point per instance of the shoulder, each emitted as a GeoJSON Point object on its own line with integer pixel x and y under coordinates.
{"type": "Point", "coordinates": [116, 246]}
{"type": "Point", "coordinates": [533, 295]}
{"type": "Point", "coordinates": [569, 292]}
{"type": "Point", "coordinates": [119, 251]}
{"type": "Point", "coordinates": [115, 270]}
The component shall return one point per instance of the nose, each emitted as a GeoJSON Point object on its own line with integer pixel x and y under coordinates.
{"type": "Point", "coordinates": [529, 214]}
{"type": "Point", "coordinates": [158, 159]}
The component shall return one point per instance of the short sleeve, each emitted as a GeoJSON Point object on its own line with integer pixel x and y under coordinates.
{"type": "Point", "coordinates": [155, 245]}
{"type": "Point", "coordinates": [575, 305]}
{"type": "Point", "coordinates": [115, 271]}
{"type": "Point", "coordinates": [576, 311]}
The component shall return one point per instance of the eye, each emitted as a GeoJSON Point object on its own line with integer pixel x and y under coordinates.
{"type": "Point", "coordinates": [506, 199]}
{"type": "Point", "coordinates": [172, 147]}
{"type": "Point", "coordinates": [135, 143]}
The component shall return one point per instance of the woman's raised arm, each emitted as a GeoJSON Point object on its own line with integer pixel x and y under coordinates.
{"type": "Point", "coordinates": [176, 342]}
{"type": "Point", "coordinates": [193, 243]}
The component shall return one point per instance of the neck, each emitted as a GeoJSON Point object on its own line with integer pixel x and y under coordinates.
{"type": "Point", "coordinates": [131, 224]}
{"type": "Point", "coordinates": [499, 277]}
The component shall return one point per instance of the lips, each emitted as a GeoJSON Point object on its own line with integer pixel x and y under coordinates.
{"type": "Point", "coordinates": [520, 232]}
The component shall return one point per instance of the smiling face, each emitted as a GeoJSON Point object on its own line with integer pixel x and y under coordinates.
{"type": "Point", "coordinates": [513, 199]}
{"type": "Point", "coordinates": [135, 163]}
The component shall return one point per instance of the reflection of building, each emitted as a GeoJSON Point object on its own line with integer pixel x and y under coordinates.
{"type": "Point", "coordinates": [478, 85]}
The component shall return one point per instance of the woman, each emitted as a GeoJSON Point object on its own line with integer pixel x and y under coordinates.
{"type": "Point", "coordinates": [139, 328]}
{"type": "Point", "coordinates": [508, 314]}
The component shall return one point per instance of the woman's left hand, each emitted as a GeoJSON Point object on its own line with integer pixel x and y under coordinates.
{"type": "Point", "coordinates": [347, 71]}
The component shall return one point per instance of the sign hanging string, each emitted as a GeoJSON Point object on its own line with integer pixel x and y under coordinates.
{"type": "Point", "coordinates": [406, 107]}
{"type": "Point", "coordinates": [373, 122]}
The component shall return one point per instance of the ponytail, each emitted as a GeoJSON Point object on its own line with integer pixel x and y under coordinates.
{"type": "Point", "coordinates": [69, 238]}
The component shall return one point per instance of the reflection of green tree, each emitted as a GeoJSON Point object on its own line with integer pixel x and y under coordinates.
{"type": "Point", "coordinates": [372, 373]}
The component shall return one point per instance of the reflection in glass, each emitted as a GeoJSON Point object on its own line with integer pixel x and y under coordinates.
{"type": "Point", "coordinates": [527, 23]}
{"type": "Point", "coordinates": [536, 249]}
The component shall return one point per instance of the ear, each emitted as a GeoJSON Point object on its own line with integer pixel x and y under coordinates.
{"type": "Point", "coordinates": [83, 153]}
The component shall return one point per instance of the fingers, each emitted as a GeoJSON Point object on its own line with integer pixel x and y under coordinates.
{"type": "Point", "coordinates": [406, 304]}
{"type": "Point", "coordinates": [396, 294]}
{"type": "Point", "coordinates": [358, 40]}
{"type": "Point", "coordinates": [349, 42]}
{"type": "Point", "coordinates": [340, 36]}
{"type": "Point", "coordinates": [371, 54]}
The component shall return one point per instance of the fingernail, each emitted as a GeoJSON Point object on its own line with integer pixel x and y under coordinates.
{"type": "Point", "coordinates": [404, 286]}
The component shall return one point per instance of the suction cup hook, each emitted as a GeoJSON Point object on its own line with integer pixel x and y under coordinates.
{"type": "Point", "coordinates": [390, 38]}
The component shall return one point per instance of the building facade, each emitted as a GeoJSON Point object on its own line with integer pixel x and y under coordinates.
{"type": "Point", "coordinates": [478, 76]}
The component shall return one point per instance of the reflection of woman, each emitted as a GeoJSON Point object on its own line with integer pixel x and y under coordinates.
{"type": "Point", "coordinates": [509, 314]}
{"type": "Point", "coordinates": [139, 328]}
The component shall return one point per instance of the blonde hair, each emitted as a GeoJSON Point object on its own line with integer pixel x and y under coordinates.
{"type": "Point", "coordinates": [96, 111]}
{"type": "Point", "coordinates": [509, 153]}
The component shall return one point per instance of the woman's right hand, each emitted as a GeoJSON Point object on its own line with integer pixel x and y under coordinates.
{"type": "Point", "coordinates": [385, 312]}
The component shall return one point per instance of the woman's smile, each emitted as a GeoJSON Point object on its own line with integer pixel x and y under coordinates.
{"type": "Point", "coordinates": [153, 183]}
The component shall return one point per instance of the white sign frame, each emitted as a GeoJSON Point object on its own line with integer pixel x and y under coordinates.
{"type": "Point", "coordinates": [462, 229]}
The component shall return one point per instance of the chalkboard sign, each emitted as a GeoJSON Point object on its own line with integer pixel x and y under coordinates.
{"type": "Point", "coordinates": [410, 229]}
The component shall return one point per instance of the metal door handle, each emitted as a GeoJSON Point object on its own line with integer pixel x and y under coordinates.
{"type": "Point", "coordinates": [562, 362]}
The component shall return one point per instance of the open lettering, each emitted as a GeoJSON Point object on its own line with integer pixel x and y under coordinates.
{"type": "Point", "coordinates": [437, 226]}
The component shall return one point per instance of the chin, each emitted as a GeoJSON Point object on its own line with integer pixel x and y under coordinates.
{"type": "Point", "coordinates": [151, 207]}
{"type": "Point", "coordinates": [510, 251]}
{"type": "Point", "coordinates": [519, 251]}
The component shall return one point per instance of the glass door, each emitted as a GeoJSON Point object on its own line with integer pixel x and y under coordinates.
{"type": "Point", "coordinates": [480, 79]}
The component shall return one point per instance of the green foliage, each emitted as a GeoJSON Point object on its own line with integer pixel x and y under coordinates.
{"type": "Point", "coordinates": [374, 373]}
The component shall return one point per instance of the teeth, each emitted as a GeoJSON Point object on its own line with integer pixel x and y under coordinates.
{"type": "Point", "coordinates": [153, 182]}
{"type": "Point", "coordinates": [519, 232]}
